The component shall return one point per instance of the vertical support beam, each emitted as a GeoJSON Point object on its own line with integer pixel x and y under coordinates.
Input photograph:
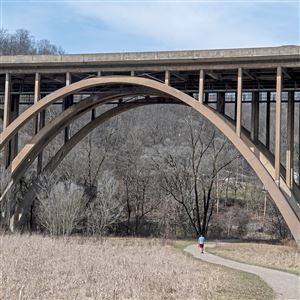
{"type": "Point", "coordinates": [6, 101]}
{"type": "Point", "coordinates": [68, 78]}
{"type": "Point", "coordinates": [7, 116]}
{"type": "Point", "coordinates": [132, 73]}
{"type": "Point", "coordinates": [290, 139]}
{"type": "Point", "coordinates": [37, 87]}
{"type": "Point", "coordinates": [206, 97]}
{"type": "Point", "coordinates": [221, 102]}
{"type": "Point", "coordinates": [40, 118]}
{"type": "Point", "coordinates": [239, 102]}
{"type": "Point", "coordinates": [14, 114]}
{"type": "Point", "coordinates": [11, 150]}
{"type": "Point", "coordinates": [68, 101]}
{"type": "Point", "coordinates": [93, 112]}
{"type": "Point", "coordinates": [268, 120]}
{"type": "Point", "coordinates": [37, 96]}
{"type": "Point", "coordinates": [167, 77]}
{"type": "Point", "coordinates": [235, 105]}
{"type": "Point", "coordinates": [278, 124]}
{"type": "Point", "coordinates": [255, 117]}
{"type": "Point", "coordinates": [201, 86]}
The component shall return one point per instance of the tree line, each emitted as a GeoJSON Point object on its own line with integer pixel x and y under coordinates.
{"type": "Point", "coordinates": [22, 42]}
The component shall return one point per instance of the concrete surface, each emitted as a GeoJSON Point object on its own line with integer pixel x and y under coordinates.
{"type": "Point", "coordinates": [285, 285]}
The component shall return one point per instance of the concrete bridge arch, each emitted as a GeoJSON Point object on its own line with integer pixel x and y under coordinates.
{"type": "Point", "coordinates": [263, 167]}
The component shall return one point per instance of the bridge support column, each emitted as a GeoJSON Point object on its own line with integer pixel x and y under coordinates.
{"type": "Point", "coordinates": [7, 100]}
{"type": "Point", "coordinates": [167, 77]}
{"type": "Point", "coordinates": [40, 118]}
{"type": "Point", "coordinates": [7, 116]}
{"type": "Point", "coordinates": [14, 114]}
{"type": "Point", "coordinates": [268, 120]}
{"type": "Point", "coordinates": [278, 124]}
{"type": "Point", "coordinates": [290, 140]}
{"type": "Point", "coordinates": [206, 97]}
{"type": "Point", "coordinates": [11, 150]}
{"type": "Point", "coordinates": [11, 111]}
{"type": "Point", "coordinates": [255, 117]}
{"type": "Point", "coordinates": [201, 86]}
{"type": "Point", "coordinates": [239, 102]}
{"type": "Point", "coordinates": [235, 105]}
{"type": "Point", "coordinates": [36, 99]}
{"type": "Point", "coordinates": [221, 103]}
{"type": "Point", "coordinates": [93, 112]}
{"type": "Point", "coordinates": [67, 102]}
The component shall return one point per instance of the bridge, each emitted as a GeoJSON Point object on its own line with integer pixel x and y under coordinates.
{"type": "Point", "coordinates": [251, 95]}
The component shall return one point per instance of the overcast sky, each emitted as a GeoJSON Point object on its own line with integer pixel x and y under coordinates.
{"type": "Point", "coordinates": [117, 26]}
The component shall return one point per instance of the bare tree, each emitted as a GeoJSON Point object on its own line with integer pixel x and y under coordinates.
{"type": "Point", "coordinates": [189, 174]}
{"type": "Point", "coordinates": [139, 184]}
{"type": "Point", "coordinates": [140, 197]}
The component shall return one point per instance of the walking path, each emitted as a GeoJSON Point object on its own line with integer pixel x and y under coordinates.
{"type": "Point", "coordinates": [285, 285]}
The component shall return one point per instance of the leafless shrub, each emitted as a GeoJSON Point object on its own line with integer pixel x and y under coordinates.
{"type": "Point", "coordinates": [106, 209]}
{"type": "Point", "coordinates": [276, 222]}
{"type": "Point", "coordinates": [60, 206]}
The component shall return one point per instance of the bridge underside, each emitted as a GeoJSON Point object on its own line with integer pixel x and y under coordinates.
{"type": "Point", "coordinates": [256, 107]}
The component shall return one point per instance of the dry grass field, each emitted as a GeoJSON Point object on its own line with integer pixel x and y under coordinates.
{"type": "Point", "coordinates": [286, 258]}
{"type": "Point", "coordinates": [36, 267]}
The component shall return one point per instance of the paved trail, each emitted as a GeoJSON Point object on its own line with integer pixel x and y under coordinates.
{"type": "Point", "coordinates": [285, 285]}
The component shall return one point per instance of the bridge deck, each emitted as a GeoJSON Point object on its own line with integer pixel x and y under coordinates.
{"type": "Point", "coordinates": [259, 65]}
{"type": "Point", "coordinates": [171, 60]}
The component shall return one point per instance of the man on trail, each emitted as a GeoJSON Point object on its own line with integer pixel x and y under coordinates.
{"type": "Point", "coordinates": [201, 241]}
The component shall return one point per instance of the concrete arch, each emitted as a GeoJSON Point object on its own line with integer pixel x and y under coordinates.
{"type": "Point", "coordinates": [30, 151]}
{"type": "Point", "coordinates": [255, 158]}
{"type": "Point", "coordinates": [13, 127]}
{"type": "Point", "coordinates": [63, 152]}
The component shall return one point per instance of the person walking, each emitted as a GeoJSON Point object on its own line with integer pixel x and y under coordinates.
{"type": "Point", "coordinates": [201, 241]}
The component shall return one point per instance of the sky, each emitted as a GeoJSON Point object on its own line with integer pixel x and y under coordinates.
{"type": "Point", "coordinates": [96, 26]}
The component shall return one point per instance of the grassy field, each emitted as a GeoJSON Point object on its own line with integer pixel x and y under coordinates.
{"type": "Point", "coordinates": [285, 258]}
{"type": "Point", "coordinates": [36, 267]}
